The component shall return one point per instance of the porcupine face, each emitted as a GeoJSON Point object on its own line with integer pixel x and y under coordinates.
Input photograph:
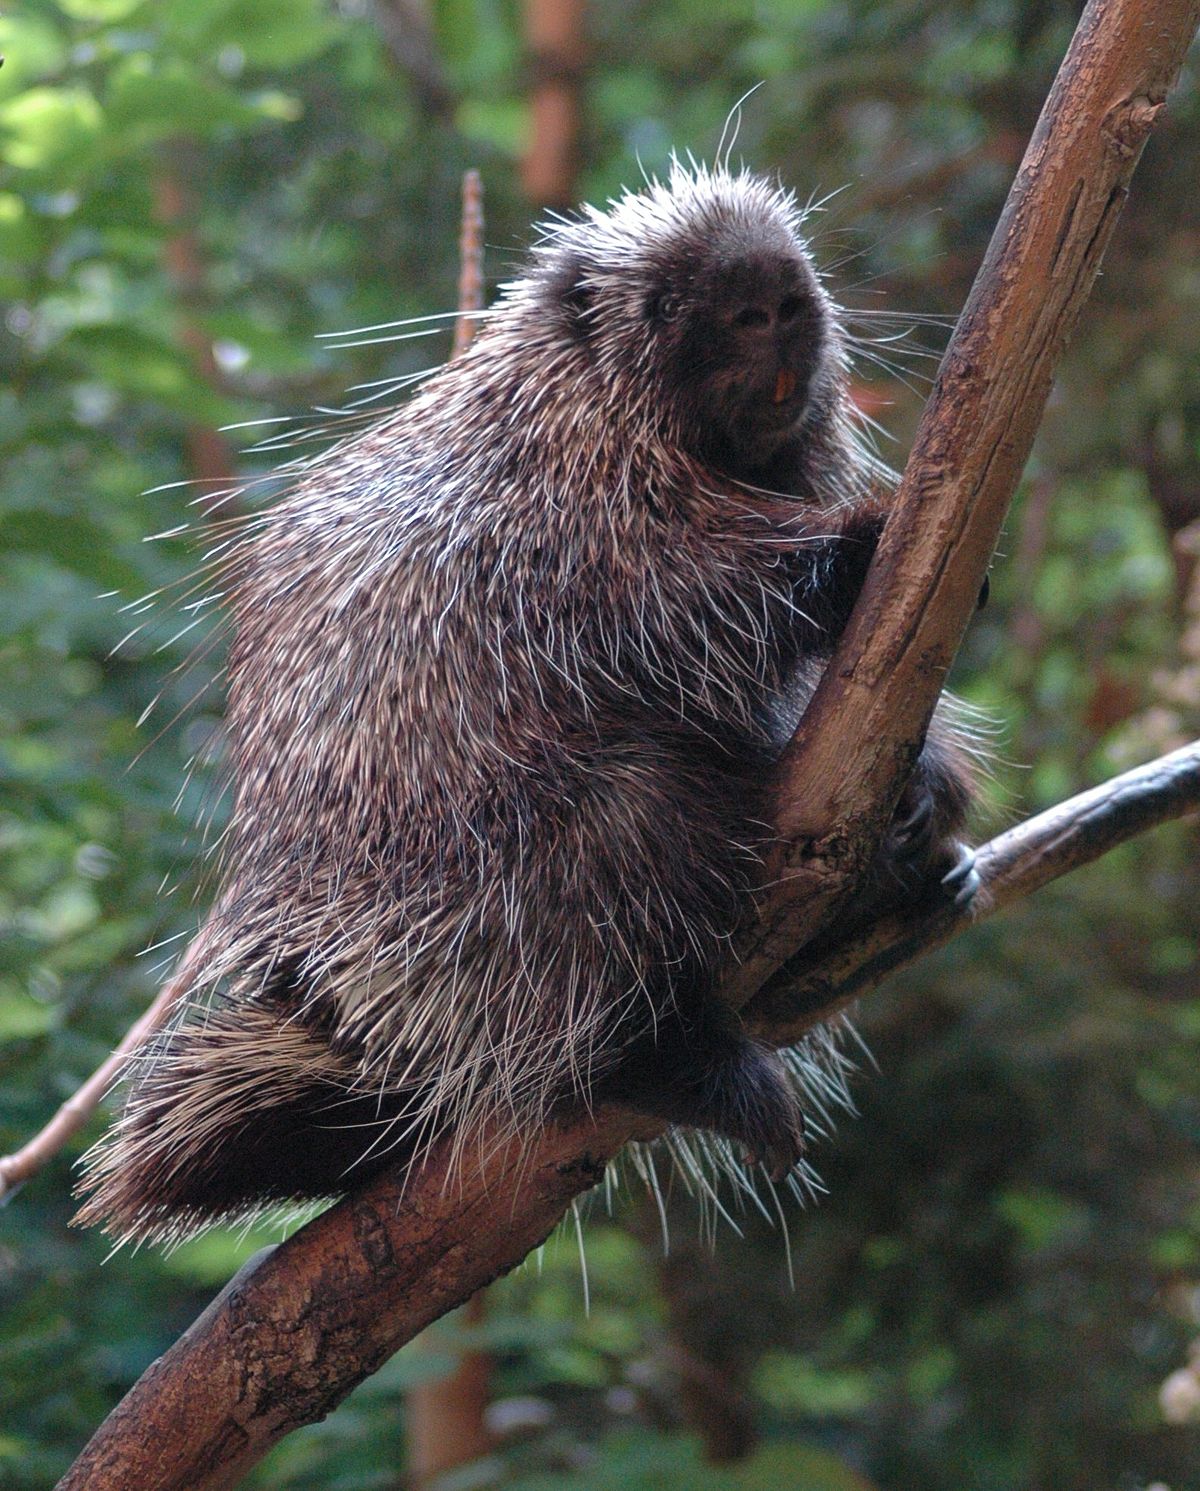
{"type": "Point", "coordinates": [721, 313]}
{"type": "Point", "coordinates": [742, 332]}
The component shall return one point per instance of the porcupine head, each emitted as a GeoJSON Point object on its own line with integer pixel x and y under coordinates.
{"type": "Point", "coordinates": [507, 675]}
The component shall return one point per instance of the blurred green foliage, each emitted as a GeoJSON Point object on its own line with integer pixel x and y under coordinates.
{"type": "Point", "coordinates": [1008, 1261]}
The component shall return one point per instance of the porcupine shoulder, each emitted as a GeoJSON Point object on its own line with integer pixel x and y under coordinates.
{"type": "Point", "coordinates": [509, 670]}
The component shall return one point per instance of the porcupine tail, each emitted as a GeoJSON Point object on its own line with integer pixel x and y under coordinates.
{"type": "Point", "coordinates": [231, 1110]}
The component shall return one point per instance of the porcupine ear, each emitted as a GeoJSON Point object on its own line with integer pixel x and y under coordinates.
{"type": "Point", "coordinates": [568, 291]}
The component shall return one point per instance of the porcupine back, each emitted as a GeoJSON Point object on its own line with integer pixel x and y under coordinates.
{"type": "Point", "coordinates": [500, 700]}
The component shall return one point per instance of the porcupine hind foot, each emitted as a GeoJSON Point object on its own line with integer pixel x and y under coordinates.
{"type": "Point", "coordinates": [704, 1072]}
{"type": "Point", "coordinates": [240, 1110]}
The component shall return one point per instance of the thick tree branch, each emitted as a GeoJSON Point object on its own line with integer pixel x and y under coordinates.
{"type": "Point", "coordinates": [303, 1324]}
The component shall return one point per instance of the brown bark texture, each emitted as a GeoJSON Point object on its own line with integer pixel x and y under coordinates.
{"type": "Point", "coordinates": [303, 1324]}
{"type": "Point", "coordinates": [298, 1328]}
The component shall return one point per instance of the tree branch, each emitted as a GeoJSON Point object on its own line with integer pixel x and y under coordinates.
{"type": "Point", "coordinates": [18, 1167]}
{"type": "Point", "coordinates": [406, 28]}
{"type": "Point", "coordinates": [821, 981]}
{"type": "Point", "coordinates": [24, 1163]}
{"type": "Point", "coordinates": [302, 1324]}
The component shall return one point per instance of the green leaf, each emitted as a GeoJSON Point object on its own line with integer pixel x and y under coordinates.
{"type": "Point", "coordinates": [267, 33]}
{"type": "Point", "coordinates": [794, 1384]}
{"type": "Point", "coordinates": [20, 236]}
{"type": "Point", "coordinates": [31, 48]}
{"type": "Point", "coordinates": [102, 11]}
{"type": "Point", "coordinates": [72, 540]}
{"type": "Point", "coordinates": [51, 128]}
{"type": "Point", "coordinates": [151, 100]}
{"type": "Point", "coordinates": [22, 1017]}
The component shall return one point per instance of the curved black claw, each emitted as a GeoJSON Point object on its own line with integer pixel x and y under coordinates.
{"type": "Point", "coordinates": [911, 834]}
{"type": "Point", "coordinates": [961, 883]}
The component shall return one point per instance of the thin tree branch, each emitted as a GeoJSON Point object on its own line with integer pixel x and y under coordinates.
{"type": "Point", "coordinates": [470, 262]}
{"type": "Point", "coordinates": [406, 28]}
{"type": "Point", "coordinates": [18, 1167]}
{"type": "Point", "coordinates": [820, 982]}
{"type": "Point", "coordinates": [24, 1163]}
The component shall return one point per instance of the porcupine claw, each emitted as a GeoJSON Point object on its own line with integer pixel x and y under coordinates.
{"type": "Point", "coordinates": [913, 843]}
{"type": "Point", "coordinates": [961, 883]}
{"type": "Point", "coordinates": [781, 1156]}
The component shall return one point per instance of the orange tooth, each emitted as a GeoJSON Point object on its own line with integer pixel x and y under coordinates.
{"type": "Point", "coordinates": [785, 385]}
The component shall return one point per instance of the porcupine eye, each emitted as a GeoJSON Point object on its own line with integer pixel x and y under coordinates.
{"type": "Point", "coordinates": [663, 307]}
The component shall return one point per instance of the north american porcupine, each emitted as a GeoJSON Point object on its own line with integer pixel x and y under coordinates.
{"type": "Point", "coordinates": [508, 676]}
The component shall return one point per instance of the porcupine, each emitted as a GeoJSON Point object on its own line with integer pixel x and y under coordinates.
{"type": "Point", "coordinates": [509, 672]}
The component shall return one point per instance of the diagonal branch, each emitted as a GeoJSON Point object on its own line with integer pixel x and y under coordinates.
{"type": "Point", "coordinates": [840, 778]}
{"type": "Point", "coordinates": [301, 1325]}
{"type": "Point", "coordinates": [820, 982]}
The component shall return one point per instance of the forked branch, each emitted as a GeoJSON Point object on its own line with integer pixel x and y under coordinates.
{"type": "Point", "coordinates": [840, 779]}
{"type": "Point", "coordinates": [302, 1325]}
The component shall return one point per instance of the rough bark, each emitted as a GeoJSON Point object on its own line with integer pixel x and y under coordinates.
{"type": "Point", "coordinates": [302, 1324]}
{"type": "Point", "coordinates": [821, 981]}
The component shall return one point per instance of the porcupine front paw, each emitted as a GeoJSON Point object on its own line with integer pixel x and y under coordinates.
{"type": "Point", "coordinates": [923, 860]}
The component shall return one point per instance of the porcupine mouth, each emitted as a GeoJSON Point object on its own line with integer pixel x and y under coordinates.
{"type": "Point", "coordinates": [778, 406]}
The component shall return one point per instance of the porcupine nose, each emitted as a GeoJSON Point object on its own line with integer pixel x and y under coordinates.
{"type": "Point", "coordinates": [769, 316]}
